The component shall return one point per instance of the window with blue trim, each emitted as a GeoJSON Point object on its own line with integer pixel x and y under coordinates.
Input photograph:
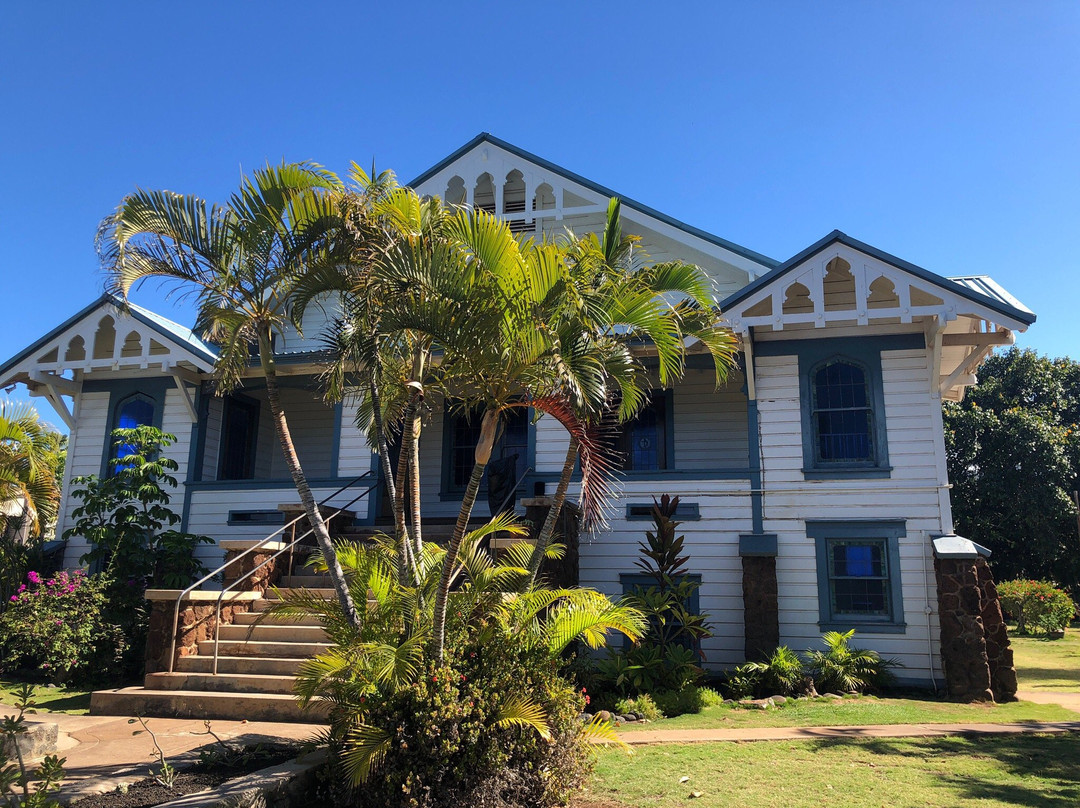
{"type": "Point", "coordinates": [858, 566]}
{"type": "Point", "coordinates": [642, 441]}
{"type": "Point", "coordinates": [463, 433]}
{"type": "Point", "coordinates": [134, 411]}
{"type": "Point", "coordinates": [842, 414]}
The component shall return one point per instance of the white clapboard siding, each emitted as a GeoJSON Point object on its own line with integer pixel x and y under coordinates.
{"type": "Point", "coordinates": [913, 493]}
{"type": "Point", "coordinates": [85, 446]}
{"type": "Point", "coordinates": [354, 455]}
{"type": "Point", "coordinates": [214, 412]}
{"type": "Point", "coordinates": [711, 542]}
{"type": "Point", "coordinates": [210, 513]}
{"type": "Point", "coordinates": [175, 420]}
{"type": "Point", "coordinates": [311, 424]}
{"type": "Point", "coordinates": [709, 424]}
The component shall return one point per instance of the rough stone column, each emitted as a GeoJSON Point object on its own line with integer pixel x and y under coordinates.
{"type": "Point", "coordinates": [999, 653]}
{"type": "Point", "coordinates": [196, 622]}
{"type": "Point", "coordinates": [761, 605]}
{"type": "Point", "coordinates": [567, 531]}
{"type": "Point", "coordinates": [963, 635]}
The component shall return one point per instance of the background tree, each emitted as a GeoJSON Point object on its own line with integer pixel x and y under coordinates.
{"type": "Point", "coordinates": [1013, 452]}
{"type": "Point", "coordinates": [31, 465]}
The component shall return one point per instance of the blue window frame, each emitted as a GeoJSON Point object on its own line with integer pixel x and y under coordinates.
{"type": "Point", "coordinates": [645, 442]}
{"type": "Point", "coordinates": [842, 413]}
{"type": "Point", "coordinates": [134, 411]}
{"type": "Point", "coordinates": [858, 565]}
{"type": "Point", "coordinates": [461, 431]}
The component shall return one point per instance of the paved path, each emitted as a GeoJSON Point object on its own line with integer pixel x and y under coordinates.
{"type": "Point", "coordinates": [816, 733]}
{"type": "Point", "coordinates": [1070, 701]}
{"type": "Point", "coordinates": [102, 751]}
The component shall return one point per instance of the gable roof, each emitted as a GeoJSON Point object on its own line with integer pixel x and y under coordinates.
{"type": "Point", "coordinates": [979, 289]}
{"type": "Point", "coordinates": [756, 257]}
{"type": "Point", "coordinates": [174, 332]}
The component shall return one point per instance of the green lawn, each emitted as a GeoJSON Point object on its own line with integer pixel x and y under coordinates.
{"type": "Point", "coordinates": [1048, 664]}
{"type": "Point", "coordinates": [861, 710]}
{"type": "Point", "coordinates": [48, 699]}
{"type": "Point", "coordinates": [1026, 770]}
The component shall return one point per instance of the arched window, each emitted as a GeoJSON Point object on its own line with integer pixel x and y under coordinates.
{"type": "Point", "coordinates": [842, 413]}
{"type": "Point", "coordinates": [135, 410]}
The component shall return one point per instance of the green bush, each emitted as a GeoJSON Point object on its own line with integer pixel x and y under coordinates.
{"type": "Point", "coordinates": [1036, 603]}
{"type": "Point", "coordinates": [781, 675]}
{"type": "Point", "coordinates": [60, 629]}
{"type": "Point", "coordinates": [690, 699]}
{"type": "Point", "coordinates": [843, 669]}
{"type": "Point", "coordinates": [641, 705]}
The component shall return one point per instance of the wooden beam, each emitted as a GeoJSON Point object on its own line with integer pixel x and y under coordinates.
{"type": "Point", "coordinates": [66, 386]}
{"type": "Point", "coordinates": [189, 405]}
{"type": "Point", "coordinates": [979, 340]}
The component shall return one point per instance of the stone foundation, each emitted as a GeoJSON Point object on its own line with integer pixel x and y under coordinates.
{"type": "Point", "coordinates": [975, 651]}
{"type": "Point", "coordinates": [196, 623]}
{"type": "Point", "coordinates": [761, 605]}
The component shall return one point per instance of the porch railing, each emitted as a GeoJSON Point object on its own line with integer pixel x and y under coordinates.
{"type": "Point", "coordinates": [261, 544]}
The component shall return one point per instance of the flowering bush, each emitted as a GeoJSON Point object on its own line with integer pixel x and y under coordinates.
{"type": "Point", "coordinates": [57, 627]}
{"type": "Point", "coordinates": [1037, 604]}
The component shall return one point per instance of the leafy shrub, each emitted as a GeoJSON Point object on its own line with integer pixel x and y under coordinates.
{"type": "Point", "coordinates": [1036, 603]}
{"type": "Point", "coordinates": [781, 675]}
{"type": "Point", "coordinates": [59, 627]}
{"type": "Point", "coordinates": [642, 705]}
{"type": "Point", "coordinates": [690, 699]}
{"type": "Point", "coordinates": [22, 786]}
{"type": "Point", "coordinates": [126, 517]}
{"type": "Point", "coordinates": [840, 668]}
{"type": "Point", "coordinates": [667, 657]}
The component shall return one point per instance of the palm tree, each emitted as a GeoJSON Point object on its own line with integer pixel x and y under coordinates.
{"type": "Point", "coordinates": [613, 299]}
{"type": "Point", "coordinates": [30, 455]}
{"type": "Point", "coordinates": [241, 261]}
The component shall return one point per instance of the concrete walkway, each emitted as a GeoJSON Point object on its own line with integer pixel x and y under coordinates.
{"type": "Point", "coordinates": [641, 737]}
{"type": "Point", "coordinates": [102, 751]}
{"type": "Point", "coordinates": [1070, 701]}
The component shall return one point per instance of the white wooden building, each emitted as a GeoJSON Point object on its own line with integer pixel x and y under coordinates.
{"type": "Point", "coordinates": [823, 453]}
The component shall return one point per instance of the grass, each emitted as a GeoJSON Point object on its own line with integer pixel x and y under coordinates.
{"type": "Point", "coordinates": [47, 699]}
{"type": "Point", "coordinates": [1024, 770]}
{"type": "Point", "coordinates": [1048, 664]}
{"type": "Point", "coordinates": [861, 710]}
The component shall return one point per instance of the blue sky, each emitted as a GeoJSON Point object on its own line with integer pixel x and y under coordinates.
{"type": "Point", "coordinates": [946, 133]}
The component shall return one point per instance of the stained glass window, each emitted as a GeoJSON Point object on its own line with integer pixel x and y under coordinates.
{"type": "Point", "coordinates": [859, 577]}
{"type": "Point", "coordinates": [842, 416]}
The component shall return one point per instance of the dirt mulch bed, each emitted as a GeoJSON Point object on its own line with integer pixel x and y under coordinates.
{"type": "Point", "coordinates": [148, 793]}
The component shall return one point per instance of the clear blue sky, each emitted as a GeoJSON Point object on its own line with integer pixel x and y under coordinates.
{"type": "Point", "coordinates": [946, 133]}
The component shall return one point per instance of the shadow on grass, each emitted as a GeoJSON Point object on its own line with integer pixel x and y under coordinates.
{"type": "Point", "coordinates": [1035, 677]}
{"type": "Point", "coordinates": [1043, 770]}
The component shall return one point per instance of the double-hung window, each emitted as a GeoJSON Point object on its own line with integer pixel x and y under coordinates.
{"type": "Point", "coordinates": [842, 414]}
{"type": "Point", "coordinates": [858, 566]}
{"type": "Point", "coordinates": [644, 442]}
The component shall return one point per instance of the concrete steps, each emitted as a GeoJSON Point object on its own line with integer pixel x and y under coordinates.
{"type": "Point", "coordinates": [258, 657]}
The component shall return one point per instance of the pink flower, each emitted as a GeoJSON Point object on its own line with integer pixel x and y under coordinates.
{"type": "Point", "coordinates": [33, 577]}
{"type": "Point", "coordinates": [14, 598]}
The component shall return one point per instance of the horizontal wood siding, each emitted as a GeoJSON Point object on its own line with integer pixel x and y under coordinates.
{"type": "Point", "coordinates": [85, 445]}
{"type": "Point", "coordinates": [913, 494]}
{"type": "Point", "coordinates": [354, 456]}
{"type": "Point", "coordinates": [215, 409]}
{"type": "Point", "coordinates": [710, 424]}
{"type": "Point", "coordinates": [712, 544]}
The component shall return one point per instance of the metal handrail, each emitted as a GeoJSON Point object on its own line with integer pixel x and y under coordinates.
{"type": "Point", "coordinates": [253, 570]}
{"type": "Point", "coordinates": [258, 545]}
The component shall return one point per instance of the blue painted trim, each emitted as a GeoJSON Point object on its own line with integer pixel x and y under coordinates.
{"type": "Point", "coordinates": [890, 531]}
{"type": "Point", "coordinates": [829, 345]}
{"type": "Point", "coordinates": [839, 472]}
{"type": "Point", "coordinates": [669, 428]}
{"type": "Point", "coordinates": [153, 388]}
{"type": "Point", "coordinates": [753, 442]}
{"type": "Point", "coordinates": [674, 475]}
{"type": "Point", "coordinates": [193, 472]}
{"type": "Point", "coordinates": [686, 512]}
{"type": "Point", "coordinates": [335, 447]}
{"type": "Point", "coordinates": [600, 189]}
{"type": "Point", "coordinates": [836, 236]}
{"type": "Point", "coordinates": [255, 485]}
{"type": "Point", "coordinates": [758, 544]}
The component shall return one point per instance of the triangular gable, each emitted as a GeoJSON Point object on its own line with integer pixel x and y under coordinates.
{"type": "Point", "coordinates": [108, 336]}
{"type": "Point", "coordinates": [570, 194]}
{"type": "Point", "coordinates": [840, 279]}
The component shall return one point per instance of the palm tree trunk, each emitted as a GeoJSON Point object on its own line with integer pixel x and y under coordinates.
{"type": "Point", "coordinates": [414, 450]}
{"type": "Point", "coordinates": [488, 428]}
{"type": "Point", "coordinates": [406, 564]}
{"type": "Point", "coordinates": [544, 537]}
{"type": "Point", "coordinates": [322, 535]}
